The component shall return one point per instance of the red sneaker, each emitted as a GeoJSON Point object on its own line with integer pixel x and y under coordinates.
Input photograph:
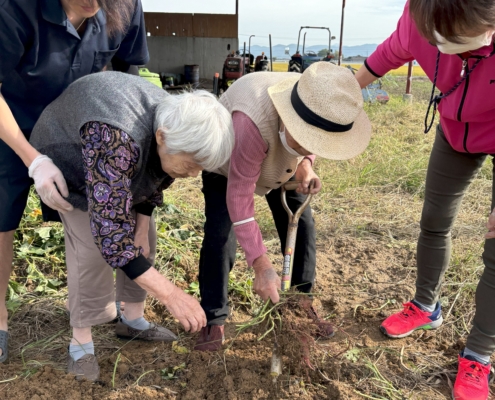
{"type": "Point", "coordinates": [472, 380]}
{"type": "Point", "coordinates": [412, 317]}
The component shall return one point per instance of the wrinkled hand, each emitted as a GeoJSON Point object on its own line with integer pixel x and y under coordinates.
{"type": "Point", "coordinates": [141, 238]}
{"type": "Point", "coordinates": [266, 280]}
{"type": "Point", "coordinates": [491, 226]}
{"type": "Point", "coordinates": [305, 174]}
{"type": "Point", "coordinates": [50, 184]}
{"type": "Point", "coordinates": [186, 309]}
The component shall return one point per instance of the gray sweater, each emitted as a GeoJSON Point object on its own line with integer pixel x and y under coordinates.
{"type": "Point", "coordinates": [124, 101]}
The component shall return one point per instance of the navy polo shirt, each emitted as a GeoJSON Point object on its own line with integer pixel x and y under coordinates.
{"type": "Point", "coordinates": [41, 53]}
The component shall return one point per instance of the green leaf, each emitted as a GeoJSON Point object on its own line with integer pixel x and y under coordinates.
{"type": "Point", "coordinates": [44, 232]}
{"type": "Point", "coordinates": [13, 305]}
{"type": "Point", "coordinates": [180, 367]}
{"type": "Point", "coordinates": [27, 249]}
{"type": "Point", "coordinates": [17, 287]}
{"type": "Point", "coordinates": [169, 373]}
{"type": "Point", "coordinates": [171, 209]}
{"type": "Point", "coordinates": [352, 355]}
{"type": "Point", "coordinates": [40, 288]}
{"type": "Point", "coordinates": [54, 283]}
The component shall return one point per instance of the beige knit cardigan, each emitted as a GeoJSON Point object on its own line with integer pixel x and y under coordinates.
{"type": "Point", "coordinates": [250, 96]}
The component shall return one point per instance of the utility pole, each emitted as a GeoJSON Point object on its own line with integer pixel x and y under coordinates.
{"type": "Point", "coordinates": [341, 32]}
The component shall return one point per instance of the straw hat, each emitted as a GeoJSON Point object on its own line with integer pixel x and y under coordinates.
{"type": "Point", "coordinates": [323, 111]}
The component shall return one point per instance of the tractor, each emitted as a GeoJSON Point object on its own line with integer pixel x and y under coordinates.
{"type": "Point", "coordinates": [262, 63]}
{"type": "Point", "coordinates": [299, 62]}
{"type": "Point", "coordinates": [239, 64]}
{"type": "Point", "coordinates": [234, 67]}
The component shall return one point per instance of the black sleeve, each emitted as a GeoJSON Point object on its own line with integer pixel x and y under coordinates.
{"type": "Point", "coordinates": [136, 267]}
{"type": "Point", "coordinates": [134, 48]}
{"type": "Point", "coordinates": [145, 208]}
{"type": "Point", "coordinates": [15, 34]}
{"type": "Point", "coordinates": [122, 66]}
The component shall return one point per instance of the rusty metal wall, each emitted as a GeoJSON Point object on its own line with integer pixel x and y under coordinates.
{"type": "Point", "coordinates": [192, 25]}
{"type": "Point", "coordinates": [219, 26]}
{"type": "Point", "coordinates": [170, 54]}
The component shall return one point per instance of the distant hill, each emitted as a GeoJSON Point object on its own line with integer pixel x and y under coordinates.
{"type": "Point", "coordinates": [279, 49]}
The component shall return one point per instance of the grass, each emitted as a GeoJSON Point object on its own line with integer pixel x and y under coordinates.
{"type": "Point", "coordinates": [115, 369]}
{"type": "Point", "coordinates": [401, 71]}
{"type": "Point", "coordinates": [372, 201]}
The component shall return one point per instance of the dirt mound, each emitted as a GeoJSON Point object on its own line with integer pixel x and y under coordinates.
{"type": "Point", "coordinates": [358, 284]}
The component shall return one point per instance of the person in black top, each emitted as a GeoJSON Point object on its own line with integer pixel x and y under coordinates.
{"type": "Point", "coordinates": [45, 45]}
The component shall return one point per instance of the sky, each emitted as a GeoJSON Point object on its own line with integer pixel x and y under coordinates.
{"type": "Point", "coordinates": [366, 21]}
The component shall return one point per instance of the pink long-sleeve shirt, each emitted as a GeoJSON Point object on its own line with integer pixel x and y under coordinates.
{"type": "Point", "coordinates": [467, 116]}
{"type": "Point", "coordinates": [245, 169]}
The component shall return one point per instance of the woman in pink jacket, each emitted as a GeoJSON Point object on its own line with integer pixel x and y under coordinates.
{"type": "Point", "coordinates": [452, 40]}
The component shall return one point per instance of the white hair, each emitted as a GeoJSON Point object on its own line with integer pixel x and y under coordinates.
{"type": "Point", "coordinates": [196, 123]}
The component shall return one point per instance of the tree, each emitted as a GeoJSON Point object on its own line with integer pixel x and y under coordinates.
{"type": "Point", "coordinates": [322, 52]}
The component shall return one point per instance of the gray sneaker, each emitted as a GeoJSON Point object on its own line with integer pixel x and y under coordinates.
{"type": "Point", "coordinates": [155, 333]}
{"type": "Point", "coordinates": [4, 345]}
{"type": "Point", "coordinates": [85, 368]}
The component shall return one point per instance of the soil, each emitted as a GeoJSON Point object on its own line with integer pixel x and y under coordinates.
{"type": "Point", "coordinates": [358, 284]}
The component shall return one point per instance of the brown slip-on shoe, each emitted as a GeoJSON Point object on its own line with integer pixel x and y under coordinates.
{"type": "Point", "coordinates": [85, 368]}
{"type": "Point", "coordinates": [211, 338]}
{"type": "Point", "coordinates": [325, 328]}
{"type": "Point", "coordinates": [155, 333]}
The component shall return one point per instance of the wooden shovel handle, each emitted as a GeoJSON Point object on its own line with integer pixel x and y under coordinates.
{"type": "Point", "coordinates": [291, 185]}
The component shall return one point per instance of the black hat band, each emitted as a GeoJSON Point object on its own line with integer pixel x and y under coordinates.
{"type": "Point", "coordinates": [314, 119]}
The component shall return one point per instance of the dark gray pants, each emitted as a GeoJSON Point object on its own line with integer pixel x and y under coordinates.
{"type": "Point", "coordinates": [219, 245]}
{"type": "Point", "coordinates": [448, 177]}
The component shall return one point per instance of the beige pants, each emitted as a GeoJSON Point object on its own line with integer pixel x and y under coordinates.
{"type": "Point", "coordinates": [90, 279]}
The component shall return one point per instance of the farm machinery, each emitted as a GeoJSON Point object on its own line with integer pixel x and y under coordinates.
{"type": "Point", "coordinates": [234, 67]}
{"type": "Point", "coordinates": [300, 61]}
{"type": "Point", "coordinates": [238, 64]}
{"type": "Point", "coordinates": [261, 63]}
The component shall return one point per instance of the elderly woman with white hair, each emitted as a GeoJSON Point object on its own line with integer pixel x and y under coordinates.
{"type": "Point", "coordinates": [120, 141]}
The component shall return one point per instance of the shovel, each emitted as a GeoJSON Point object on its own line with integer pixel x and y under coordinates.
{"type": "Point", "coordinates": [290, 245]}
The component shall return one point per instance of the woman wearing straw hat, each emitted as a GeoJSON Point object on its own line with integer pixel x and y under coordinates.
{"type": "Point", "coordinates": [281, 121]}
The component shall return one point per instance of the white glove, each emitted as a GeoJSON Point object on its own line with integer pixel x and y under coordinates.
{"type": "Point", "coordinates": [46, 175]}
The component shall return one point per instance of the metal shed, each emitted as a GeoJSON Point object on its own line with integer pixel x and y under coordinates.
{"type": "Point", "coordinates": [177, 39]}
